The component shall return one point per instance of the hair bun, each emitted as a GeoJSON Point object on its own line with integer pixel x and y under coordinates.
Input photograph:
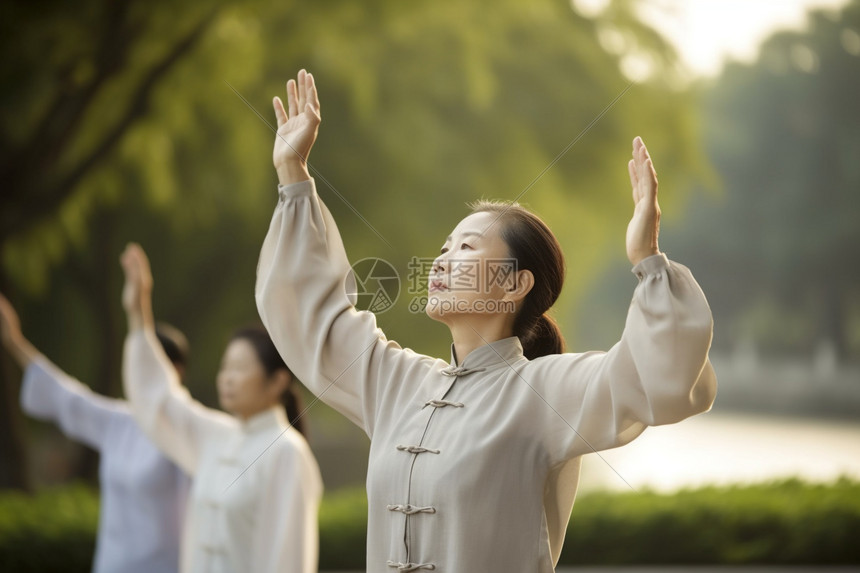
{"type": "Point", "coordinates": [543, 338]}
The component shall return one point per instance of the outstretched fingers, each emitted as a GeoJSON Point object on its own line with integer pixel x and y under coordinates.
{"type": "Point", "coordinates": [313, 101]}
{"type": "Point", "coordinates": [634, 179]}
{"type": "Point", "coordinates": [280, 112]}
{"type": "Point", "coordinates": [292, 98]}
{"type": "Point", "coordinates": [303, 90]}
{"type": "Point", "coordinates": [642, 169]}
{"type": "Point", "coordinates": [301, 97]}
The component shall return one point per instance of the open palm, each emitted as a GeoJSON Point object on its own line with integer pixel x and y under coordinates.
{"type": "Point", "coordinates": [297, 123]}
{"type": "Point", "coordinates": [137, 290]}
{"type": "Point", "coordinates": [644, 227]}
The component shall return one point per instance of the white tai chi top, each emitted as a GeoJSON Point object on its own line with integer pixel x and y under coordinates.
{"type": "Point", "coordinates": [474, 466]}
{"type": "Point", "coordinates": [143, 494]}
{"type": "Point", "coordinates": [256, 487]}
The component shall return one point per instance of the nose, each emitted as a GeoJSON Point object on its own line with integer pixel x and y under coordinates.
{"type": "Point", "coordinates": [438, 265]}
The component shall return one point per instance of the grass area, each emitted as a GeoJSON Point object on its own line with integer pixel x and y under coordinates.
{"type": "Point", "coordinates": [786, 522]}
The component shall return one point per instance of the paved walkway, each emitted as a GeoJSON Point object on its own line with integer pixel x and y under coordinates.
{"type": "Point", "coordinates": [695, 569]}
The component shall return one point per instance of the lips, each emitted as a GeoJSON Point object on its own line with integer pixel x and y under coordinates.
{"type": "Point", "coordinates": [437, 285]}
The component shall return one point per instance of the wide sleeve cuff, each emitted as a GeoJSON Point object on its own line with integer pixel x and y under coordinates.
{"type": "Point", "coordinates": [49, 394]}
{"type": "Point", "coordinates": [651, 265]}
{"type": "Point", "coordinates": [36, 372]}
{"type": "Point", "coordinates": [298, 189]}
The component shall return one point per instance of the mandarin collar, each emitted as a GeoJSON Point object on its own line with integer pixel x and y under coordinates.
{"type": "Point", "coordinates": [505, 351]}
{"type": "Point", "coordinates": [274, 417]}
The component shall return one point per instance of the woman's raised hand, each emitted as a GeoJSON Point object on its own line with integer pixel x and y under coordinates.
{"type": "Point", "coordinates": [12, 337]}
{"type": "Point", "coordinates": [644, 227]}
{"type": "Point", "coordinates": [137, 291]}
{"type": "Point", "coordinates": [297, 129]}
{"type": "Point", "coordinates": [10, 325]}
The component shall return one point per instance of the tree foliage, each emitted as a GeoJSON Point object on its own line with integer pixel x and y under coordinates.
{"type": "Point", "coordinates": [426, 105]}
{"type": "Point", "coordinates": [775, 250]}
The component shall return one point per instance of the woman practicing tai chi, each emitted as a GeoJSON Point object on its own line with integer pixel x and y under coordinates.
{"type": "Point", "coordinates": [142, 493]}
{"type": "Point", "coordinates": [474, 464]}
{"type": "Point", "coordinates": [257, 486]}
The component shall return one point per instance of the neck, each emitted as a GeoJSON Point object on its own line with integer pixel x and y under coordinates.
{"type": "Point", "coordinates": [247, 415]}
{"type": "Point", "coordinates": [469, 333]}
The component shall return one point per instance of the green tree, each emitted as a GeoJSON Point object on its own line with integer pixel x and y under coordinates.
{"type": "Point", "coordinates": [79, 87]}
{"type": "Point", "coordinates": [776, 248]}
{"type": "Point", "coordinates": [425, 106]}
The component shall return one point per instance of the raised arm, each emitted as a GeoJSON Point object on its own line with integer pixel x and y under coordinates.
{"type": "Point", "coordinates": [178, 425]}
{"type": "Point", "coordinates": [659, 372]}
{"type": "Point", "coordinates": [336, 351]}
{"type": "Point", "coordinates": [13, 338]}
{"type": "Point", "coordinates": [49, 394]}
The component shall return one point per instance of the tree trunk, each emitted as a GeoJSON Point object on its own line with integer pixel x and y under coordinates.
{"type": "Point", "coordinates": [97, 285]}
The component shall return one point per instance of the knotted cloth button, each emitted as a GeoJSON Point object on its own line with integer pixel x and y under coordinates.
{"type": "Point", "coordinates": [417, 449]}
{"type": "Point", "coordinates": [460, 370]}
{"type": "Point", "coordinates": [410, 509]}
{"type": "Point", "coordinates": [442, 404]}
{"type": "Point", "coordinates": [412, 566]}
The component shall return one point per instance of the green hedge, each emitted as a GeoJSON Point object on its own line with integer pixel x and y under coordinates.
{"type": "Point", "coordinates": [788, 522]}
{"type": "Point", "coordinates": [52, 531]}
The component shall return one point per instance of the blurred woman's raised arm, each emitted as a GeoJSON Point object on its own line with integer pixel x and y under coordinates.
{"type": "Point", "coordinates": [51, 395]}
{"type": "Point", "coordinates": [165, 411]}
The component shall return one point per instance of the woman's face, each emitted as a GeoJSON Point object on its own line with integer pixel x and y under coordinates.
{"type": "Point", "coordinates": [244, 388]}
{"type": "Point", "coordinates": [473, 273]}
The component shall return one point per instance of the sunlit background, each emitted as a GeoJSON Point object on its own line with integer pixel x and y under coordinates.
{"type": "Point", "coordinates": [153, 123]}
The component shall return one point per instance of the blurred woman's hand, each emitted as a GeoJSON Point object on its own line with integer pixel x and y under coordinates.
{"type": "Point", "coordinates": [137, 291]}
{"type": "Point", "coordinates": [297, 129]}
{"type": "Point", "coordinates": [11, 335]}
{"type": "Point", "coordinates": [10, 325]}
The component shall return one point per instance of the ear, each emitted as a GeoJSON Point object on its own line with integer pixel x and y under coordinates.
{"type": "Point", "coordinates": [524, 283]}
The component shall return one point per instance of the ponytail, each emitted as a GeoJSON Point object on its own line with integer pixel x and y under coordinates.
{"type": "Point", "coordinates": [292, 402]}
{"type": "Point", "coordinates": [535, 249]}
{"type": "Point", "coordinates": [543, 338]}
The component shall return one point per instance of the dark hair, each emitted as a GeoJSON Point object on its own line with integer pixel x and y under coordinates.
{"type": "Point", "coordinates": [174, 343]}
{"type": "Point", "coordinates": [271, 360]}
{"type": "Point", "coordinates": [535, 249]}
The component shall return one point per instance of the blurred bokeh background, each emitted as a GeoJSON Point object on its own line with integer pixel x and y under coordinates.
{"type": "Point", "coordinates": [151, 121]}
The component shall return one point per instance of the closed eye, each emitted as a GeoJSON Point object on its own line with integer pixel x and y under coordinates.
{"type": "Point", "coordinates": [465, 246]}
{"type": "Point", "coordinates": [443, 250]}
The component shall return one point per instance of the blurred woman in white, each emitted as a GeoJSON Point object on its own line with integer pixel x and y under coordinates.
{"type": "Point", "coordinates": [257, 486]}
{"type": "Point", "coordinates": [474, 464]}
{"type": "Point", "coordinates": [142, 493]}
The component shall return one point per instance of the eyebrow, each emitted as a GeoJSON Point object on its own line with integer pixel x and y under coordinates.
{"type": "Point", "coordinates": [467, 233]}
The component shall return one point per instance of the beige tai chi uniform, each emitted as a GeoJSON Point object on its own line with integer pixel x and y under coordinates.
{"type": "Point", "coordinates": [474, 466]}
{"type": "Point", "coordinates": [257, 486]}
